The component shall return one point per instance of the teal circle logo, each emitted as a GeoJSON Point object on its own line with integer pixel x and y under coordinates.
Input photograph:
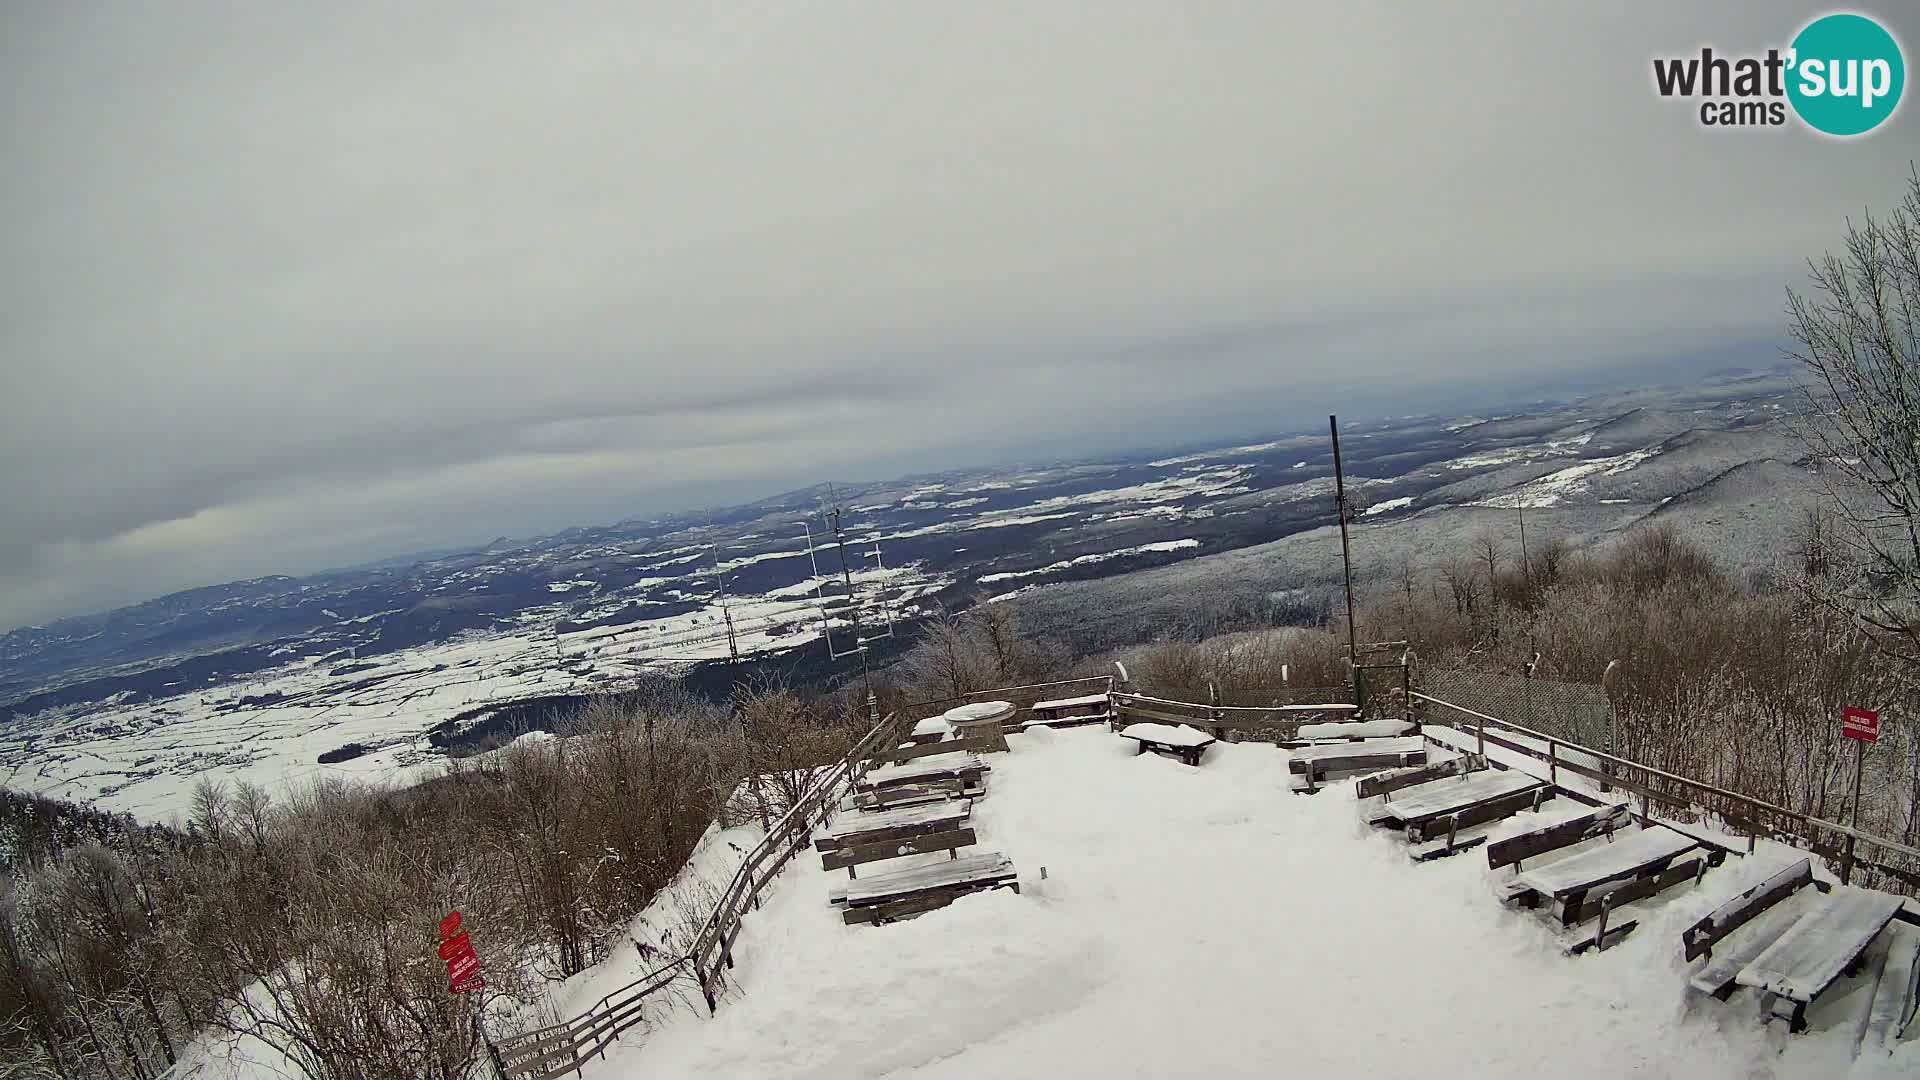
{"type": "Point", "coordinates": [1846, 76]}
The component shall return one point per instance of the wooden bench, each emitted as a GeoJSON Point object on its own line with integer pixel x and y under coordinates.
{"type": "Point", "coordinates": [1440, 837]}
{"type": "Point", "coordinates": [849, 856]}
{"type": "Point", "coordinates": [931, 730]}
{"type": "Point", "coordinates": [1698, 940]}
{"type": "Point", "coordinates": [1416, 807]}
{"type": "Point", "coordinates": [1319, 761]}
{"type": "Point", "coordinates": [883, 898]}
{"type": "Point", "coordinates": [1716, 978]}
{"type": "Point", "coordinates": [1184, 743]}
{"type": "Point", "coordinates": [1895, 995]}
{"type": "Point", "coordinates": [932, 791]}
{"type": "Point", "coordinates": [1351, 731]}
{"type": "Point", "coordinates": [943, 816]}
{"type": "Point", "coordinates": [1089, 709]}
{"type": "Point", "coordinates": [1519, 847]}
{"type": "Point", "coordinates": [1817, 949]}
{"type": "Point", "coordinates": [1629, 867]}
{"type": "Point", "coordinates": [988, 743]}
{"type": "Point", "coordinates": [960, 766]}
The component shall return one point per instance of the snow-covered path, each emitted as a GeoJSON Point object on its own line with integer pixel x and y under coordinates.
{"type": "Point", "coordinates": [1207, 923]}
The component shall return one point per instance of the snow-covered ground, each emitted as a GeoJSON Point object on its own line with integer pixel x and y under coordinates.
{"type": "Point", "coordinates": [270, 729]}
{"type": "Point", "coordinates": [1205, 922]}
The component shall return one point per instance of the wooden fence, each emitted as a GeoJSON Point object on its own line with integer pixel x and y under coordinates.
{"type": "Point", "coordinates": [558, 1049]}
{"type": "Point", "coordinates": [1894, 866]}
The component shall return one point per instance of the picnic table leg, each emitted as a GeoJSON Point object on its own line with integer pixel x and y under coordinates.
{"type": "Point", "coordinates": [1570, 907]}
{"type": "Point", "coordinates": [1139, 748]}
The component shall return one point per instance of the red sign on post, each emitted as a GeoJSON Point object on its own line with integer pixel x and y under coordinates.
{"type": "Point", "coordinates": [456, 948]}
{"type": "Point", "coordinates": [1860, 724]}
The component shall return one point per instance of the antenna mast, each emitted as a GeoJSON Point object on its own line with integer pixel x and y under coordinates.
{"type": "Point", "coordinates": [860, 637]}
{"type": "Point", "coordinates": [1345, 512]}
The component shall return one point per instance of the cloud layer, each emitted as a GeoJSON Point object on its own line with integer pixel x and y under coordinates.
{"type": "Point", "coordinates": [286, 289]}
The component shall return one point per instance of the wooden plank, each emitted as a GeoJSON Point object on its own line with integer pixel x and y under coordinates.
{"type": "Point", "coordinates": [1822, 945]}
{"type": "Point", "coordinates": [860, 854]}
{"type": "Point", "coordinates": [1629, 854]}
{"type": "Point", "coordinates": [1724, 964]}
{"type": "Point", "coordinates": [1583, 906]}
{"type": "Point", "coordinates": [892, 798]}
{"type": "Point", "coordinates": [1896, 994]}
{"type": "Point", "coordinates": [1384, 783]}
{"type": "Point", "coordinates": [966, 871]}
{"type": "Point", "coordinates": [1698, 939]}
{"type": "Point", "coordinates": [1337, 755]}
{"type": "Point", "coordinates": [871, 828]}
{"type": "Point", "coordinates": [1480, 813]}
{"type": "Point", "coordinates": [972, 744]}
{"type": "Point", "coordinates": [898, 909]}
{"type": "Point", "coordinates": [1440, 797]}
{"type": "Point", "coordinates": [961, 766]}
{"type": "Point", "coordinates": [1601, 822]}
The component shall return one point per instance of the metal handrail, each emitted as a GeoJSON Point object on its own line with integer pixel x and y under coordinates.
{"type": "Point", "coordinates": [1717, 792]}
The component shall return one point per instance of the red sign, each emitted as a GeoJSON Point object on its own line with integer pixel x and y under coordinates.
{"type": "Point", "coordinates": [463, 965]}
{"type": "Point", "coordinates": [1860, 724]}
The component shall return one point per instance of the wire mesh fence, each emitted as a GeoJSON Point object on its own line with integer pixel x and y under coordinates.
{"type": "Point", "coordinates": [1576, 712]}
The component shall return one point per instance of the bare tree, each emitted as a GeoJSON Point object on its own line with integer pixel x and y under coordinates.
{"type": "Point", "coordinates": [1856, 332]}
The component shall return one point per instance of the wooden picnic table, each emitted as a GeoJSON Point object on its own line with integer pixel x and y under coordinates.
{"type": "Point", "coordinates": [931, 730]}
{"type": "Point", "coordinates": [1185, 743]}
{"type": "Point", "coordinates": [883, 897]}
{"type": "Point", "coordinates": [1057, 709]}
{"type": "Point", "coordinates": [1353, 730]}
{"type": "Point", "coordinates": [1820, 947]}
{"type": "Point", "coordinates": [922, 770]}
{"type": "Point", "coordinates": [895, 824]}
{"type": "Point", "coordinates": [1628, 854]}
{"type": "Point", "coordinates": [1323, 758]}
{"type": "Point", "coordinates": [1423, 802]}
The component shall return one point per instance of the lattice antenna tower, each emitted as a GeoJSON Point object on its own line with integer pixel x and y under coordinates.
{"type": "Point", "coordinates": [838, 645]}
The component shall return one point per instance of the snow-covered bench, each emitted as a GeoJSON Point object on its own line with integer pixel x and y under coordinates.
{"type": "Point", "coordinates": [1352, 730]}
{"type": "Point", "coordinates": [1628, 867]}
{"type": "Point", "coordinates": [1515, 849]}
{"type": "Point", "coordinates": [1320, 760]}
{"type": "Point", "coordinates": [1087, 709]}
{"type": "Point", "coordinates": [951, 766]}
{"type": "Point", "coordinates": [943, 816]}
{"type": "Point", "coordinates": [1185, 743]}
{"type": "Point", "coordinates": [882, 898]}
{"type": "Point", "coordinates": [1816, 950]}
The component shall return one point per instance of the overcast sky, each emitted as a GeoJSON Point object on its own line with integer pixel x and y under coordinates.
{"type": "Point", "coordinates": [289, 286]}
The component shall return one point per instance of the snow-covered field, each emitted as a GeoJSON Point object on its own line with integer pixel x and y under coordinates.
{"type": "Point", "coordinates": [1207, 923]}
{"type": "Point", "coordinates": [144, 758]}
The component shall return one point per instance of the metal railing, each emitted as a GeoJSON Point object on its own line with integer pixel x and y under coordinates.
{"type": "Point", "coordinates": [557, 1049]}
{"type": "Point", "coordinates": [1754, 817]}
{"type": "Point", "coordinates": [1277, 723]}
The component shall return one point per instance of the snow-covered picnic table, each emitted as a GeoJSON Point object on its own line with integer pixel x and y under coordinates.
{"type": "Point", "coordinates": [1322, 758]}
{"type": "Point", "coordinates": [1420, 804]}
{"type": "Point", "coordinates": [956, 765]}
{"type": "Point", "coordinates": [894, 824]}
{"type": "Point", "coordinates": [1817, 949]}
{"type": "Point", "coordinates": [1358, 729]}
{"type": "Point", "coordinates": [1185, 743]}
{"type": "Point", "coordinates": [1627, 855]}
{"type": "Point", "coordinates": [882, 897]}
{"type": "Point", "coordinates": [932, 729]}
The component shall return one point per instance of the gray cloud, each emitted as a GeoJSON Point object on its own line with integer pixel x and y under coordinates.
{"type": "Point", "coordinates": [286, 288]}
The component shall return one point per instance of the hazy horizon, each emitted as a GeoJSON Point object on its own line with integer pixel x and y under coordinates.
{"type": "Point", "coordinates": [289, 292]}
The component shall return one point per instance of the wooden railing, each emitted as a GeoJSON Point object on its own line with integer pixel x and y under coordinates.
{"type": "Point", "coordinates": [557, 1049]}
{"type": "Point", "coordinates": [1279, 723]}
{"type": "Point", "coordinates": [1754, 817]}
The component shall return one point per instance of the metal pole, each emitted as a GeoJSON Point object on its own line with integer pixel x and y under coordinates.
{"type": "Point", "coordinates": [853, 616]}
{"type": "Point", "coordinates": [1346, 553]}
{"type": "Point", "coordinates": [1846, 858]}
